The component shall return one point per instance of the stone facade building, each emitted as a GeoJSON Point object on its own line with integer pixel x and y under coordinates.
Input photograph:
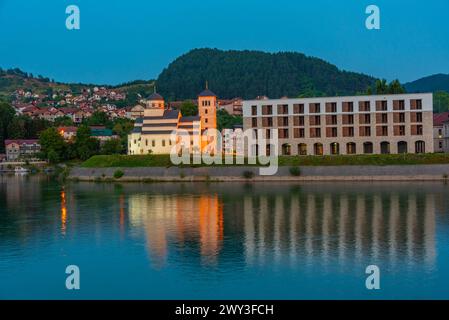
{"type": "Point", "coordinates": [376, 124]}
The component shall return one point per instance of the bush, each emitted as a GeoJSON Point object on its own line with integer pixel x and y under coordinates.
{"type": "Point", "coordinates": [118, 174]}
{"type": "Point", "coordinates": [295, 171]}
{"type": "Point", "coordinates": [248, 174]}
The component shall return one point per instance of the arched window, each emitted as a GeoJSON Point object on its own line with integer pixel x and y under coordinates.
{"type": "Point", "coordinates": [318, 149]}
{"type": "Point", "coordinates": [368, 147]}
{"type": "Point", "coordinates": [335, 148]}
{"type": "Point", "coordinates": [420, 146]}
{"type": "Point", "coordinates": [286, 149]}
{"type": "Point", "coordinates": [302, 149]}
{"type": "Point", "coordinates": [350, 148]}
{"type": "Point", "coordinates": [384, 147]}
{"type": "Point", "coordinates": [402, 147]}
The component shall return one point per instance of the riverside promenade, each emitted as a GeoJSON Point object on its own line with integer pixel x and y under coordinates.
{"type": "Point", "coordinates": [432, 172]}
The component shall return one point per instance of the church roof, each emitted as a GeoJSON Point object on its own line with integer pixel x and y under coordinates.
{"type": "Point", "coordinates": [155, 96]}
{"type": "Point", "coordinates": [206, 93]}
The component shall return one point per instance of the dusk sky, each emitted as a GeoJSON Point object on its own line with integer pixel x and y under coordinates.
{"type": "Point", "coordinates": [122, 41]}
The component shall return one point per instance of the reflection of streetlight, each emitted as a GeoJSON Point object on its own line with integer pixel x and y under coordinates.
{"type": "Point", "coordinates": [63, 212]}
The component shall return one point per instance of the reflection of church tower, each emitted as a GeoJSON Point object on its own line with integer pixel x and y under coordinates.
{"type": "Point", "coordinates": [155, 100]}
{"type": "Point", "coordinates": [207, 109]}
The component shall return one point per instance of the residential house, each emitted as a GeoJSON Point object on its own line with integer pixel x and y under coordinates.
{"type": "Point", "coordinates": [21, 149]}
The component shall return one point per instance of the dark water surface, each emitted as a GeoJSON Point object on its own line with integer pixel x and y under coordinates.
{"type": "Point", "coordinates": [226, 240]}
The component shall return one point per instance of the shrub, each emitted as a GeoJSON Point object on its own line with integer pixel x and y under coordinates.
{"type": "Point", "coordinates": [118, 174]}
{"type": "Point", "coordinates": [295, 171]}
{"type": "Point", "coordinates": [248, 174]}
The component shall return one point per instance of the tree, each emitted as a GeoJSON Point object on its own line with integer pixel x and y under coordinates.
{"type": "Point", "coordinates": [395, 87]}
{"type": "Point", "coordinates": [227, 121]}
{"type": "Point", "coordinates": [7, 114]}
{"type": "Point", "coordinates": [17, 128]}
{"type": "Point", "coordinates": [98, 118]}
{"type": "Point", "coordinates": [113, 146]}
{"type": "Point", "coordinates": [52, 144]}
{"type": "Point", "coordinates": [85, 145]}
{"type": "Point", "coordinates": [188, 108]}
{"type": "Point", "coordinates": [381, 86]}
{"type": "Point", "coordinates": [63, 121]}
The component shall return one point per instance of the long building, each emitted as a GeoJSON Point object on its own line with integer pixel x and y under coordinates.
{"type": "Point", "coordinates": [375, 124]}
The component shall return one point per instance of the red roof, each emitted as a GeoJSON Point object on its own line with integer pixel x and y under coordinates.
{"type": "Point", "coordinates": [439, 118]}
{"type": "Point", "coordinates": [21, 141]}
{"type": "Point", "coordinates": [67, 129]}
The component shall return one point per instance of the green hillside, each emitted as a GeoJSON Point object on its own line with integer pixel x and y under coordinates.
{"type": "Point", "coordinates": [433, 83]}
{"type": "Point", "coordinates": [248, 74]}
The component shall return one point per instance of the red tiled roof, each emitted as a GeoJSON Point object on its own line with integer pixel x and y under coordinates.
{"type": "Point", "coordinates": [68, 129]}
{"type": "Point", "coordinates": [439, 118]}
{"type": "Point", "coordinates": [21, 141]}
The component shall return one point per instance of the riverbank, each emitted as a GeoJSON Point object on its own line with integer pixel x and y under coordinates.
{"type": "Point", "coordinates": [433, 172]}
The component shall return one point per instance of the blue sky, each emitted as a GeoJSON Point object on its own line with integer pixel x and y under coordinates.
{"type": "Point", "coordinates": [134, 39]}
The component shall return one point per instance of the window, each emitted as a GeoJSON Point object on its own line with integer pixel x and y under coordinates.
{"type": "Point", "coordinates": [385, 147]}
{"type": "Point", "coordinates": [254, 110]}
{"type": "Point", "coordinates": [318, 149]}
{"type": "Point", "coordinates": [402, 147]}
{"type": "Point", "coordinates": [331, 132]}
{"type": "Point", "coordinates": [298, 108]}
{"type": "Point", "coordinates": [163, 143]}
{"type": "Point", "coordinates": [365, 131]}
{"type": "Point", "coordinates": [348, 131]}
{"type": "Point", "coordinates": [283, 133]}
{"type": "Point", "coordinates": [314, 108]}
{"type": "Point", "coordinates": [417, 130]}
{"type": "Point", "coordinates": [398, 117]}
{"type": "Point", "coordinates": [153, 143]}
{"type": "Point", "coordinates": [416, 104]}
{"type": "Point", "coordinates": [368, 147]}
{"type": "Point", "coordinates": [254, 122]}
{"type": "Point", "coordinates": [381, 105]}
{"type": "Point", "coordinates": [331, 107]}
{"type": "Point", "coordinates": [348, 106]}
{"type": "Point", "coordinates": [348, 119]}
{"type": "Point", "coordinates": [302, 149]}
{"type": "Point", "coordinates": [298, 132]}
{"type": "Point", "coordinates": [420, 147]}
{"type": "Point", "coordinates": [399, 130]}
{"type": "Point", "coordinates": [350, 148]}
{"type": "Point", "coordinates": [282, 109]}
{"type": "Point", "coordinates": [398, 105]}
{"type": "Point", "coordinates": [267, 110]}
{"type": "Point", "coordinates": [267, 122]}
{"type": "Point", "coordinates": [315, 132]}
{"type": "Point", "coordinates": [364, 106]}
{"type": "Point", "coordinates": [283, 121]}
{"type": "Point", "coordinates": [335, 148]}
{"type": "Point", "coordinates": [298, 121]}
{"type": "Point", "coordinates": [146, 142]}
{"type": "Point", "coordinates": [331, 120]}
{"type": "Point", "coordinates": [315, 120]}
{"type": "Point", "coordinates": [286, 149]}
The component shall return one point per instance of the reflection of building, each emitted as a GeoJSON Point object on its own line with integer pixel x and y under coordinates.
{"type": "Point", "coordinates": [377, 124]}
{"type": "Point", "coordinates": [197, 219]}
{"type": "Point", "coordinates": [385, 226]}
{"type": "Point", "coordinates": [153, 132]}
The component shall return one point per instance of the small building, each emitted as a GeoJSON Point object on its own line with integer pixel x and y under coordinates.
{"type": "Point", "coordinates": [68, 133]}
{"type": "Point", "coordinates": [22, 149]}
{"type": "Point", "coordinates": [2, 157]}
{"type": "Point", "coordinates": [102, 133]}
{"type": "Point", "coordinates": [438, 131]}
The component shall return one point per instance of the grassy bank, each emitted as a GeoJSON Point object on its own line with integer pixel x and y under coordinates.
{"type": "Point", "coordinates": [105, 161]}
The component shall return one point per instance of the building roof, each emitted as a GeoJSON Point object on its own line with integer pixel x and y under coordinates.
{"type": "Point", "coordinates": [100, 132]}
{"type": "Point", "coordinates": [439, 118]}
{"type": "Point", "coordinates": [21, 141]}
{"type": "Point", "coordinates": [206, 93]}
{"type": "Point", "coordinates": [171, 114]}
{"type": "Point", "coordinates": [68, 129]}
{"type": "Point", "coordinates": [155, 96]}
{"type": "Point", "coordinates": [189, 119]}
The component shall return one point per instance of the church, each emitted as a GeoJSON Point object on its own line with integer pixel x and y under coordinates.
{"type": "Point", "coordinates": [152, 133]}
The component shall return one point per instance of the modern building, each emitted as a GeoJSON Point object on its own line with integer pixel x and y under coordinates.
{"type": "Point", "coordinates": [102, 134]}
{"type": "Point", "coordinates": [22, 149]}
{"type": "Point", "coordinates": [376, 124]}
{"type": "Point", "coordinates": [153, 132]}
{"type": "Point", "coordinates": [439, 135]}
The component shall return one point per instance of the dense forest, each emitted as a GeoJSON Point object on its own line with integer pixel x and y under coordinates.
{"type": "Point", "coordinates": [249, 74]}
{"type": "Point", "coordinates": [436, 82]}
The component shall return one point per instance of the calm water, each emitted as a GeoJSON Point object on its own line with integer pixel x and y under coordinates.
{"type": "Point", "coordinates": [228, 240]}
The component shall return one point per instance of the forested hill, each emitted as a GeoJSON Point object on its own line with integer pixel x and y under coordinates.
{"type": "Point", "coordinates": [436, 82]}
{"type": "Point", "coordinates": [249, 74]}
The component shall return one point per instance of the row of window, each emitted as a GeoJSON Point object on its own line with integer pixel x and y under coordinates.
{"type": "Point", "coordinates": [153, 143]}
{"type": "Point", "coordinates": [398, 117]}
{"type": "Point", "coordinates": [351, 148]}
{"type": "Point", "coordinates": [331, 107]}
{"type": "Point", "coordinates": [363, 131]}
